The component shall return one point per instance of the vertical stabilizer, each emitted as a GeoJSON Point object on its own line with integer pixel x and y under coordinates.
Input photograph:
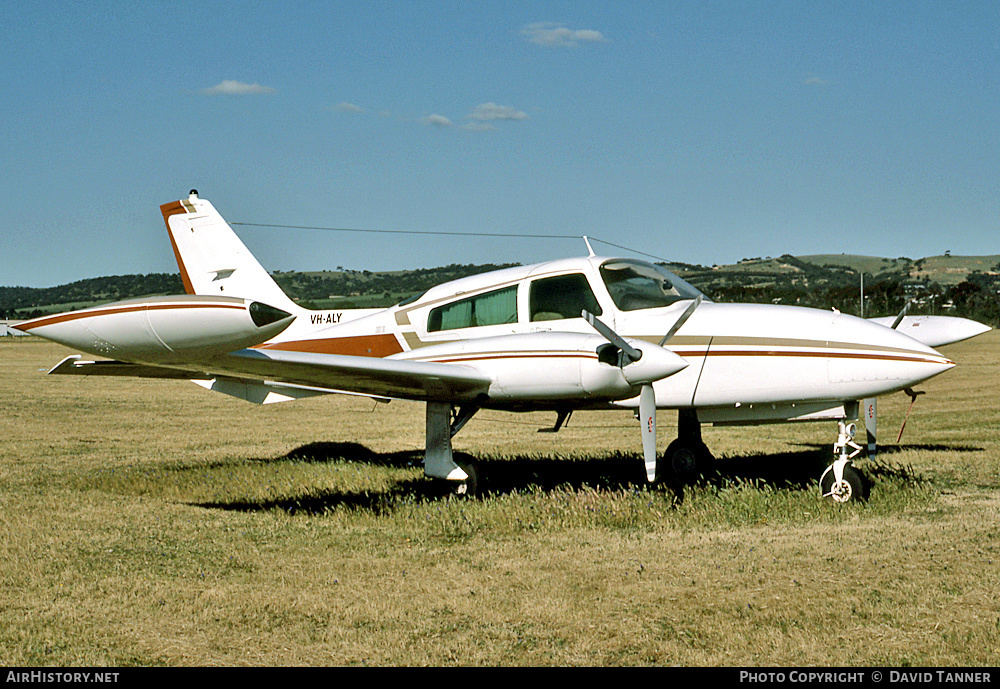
{"type": "Point", "coordinates": [212, 259]}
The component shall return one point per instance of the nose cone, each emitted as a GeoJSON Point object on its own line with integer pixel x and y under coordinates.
{"type": "Point", "coordinates": [875, 359]}
{"type": "Point", "coordinates": [655, 364]}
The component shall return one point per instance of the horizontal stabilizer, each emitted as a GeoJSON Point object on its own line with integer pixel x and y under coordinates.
{"type": "Point", "coordinates": [76, 366]}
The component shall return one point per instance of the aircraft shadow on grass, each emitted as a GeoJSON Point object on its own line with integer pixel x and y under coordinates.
{"type": "Point", "coordinates": [793, 470]}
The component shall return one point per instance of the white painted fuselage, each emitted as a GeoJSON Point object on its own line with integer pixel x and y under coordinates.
{"type": "Point", "coordinates": [511, 339]}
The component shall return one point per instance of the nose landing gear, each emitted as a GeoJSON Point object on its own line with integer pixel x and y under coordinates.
{"type": "Point", "coordinates": [841, 482]}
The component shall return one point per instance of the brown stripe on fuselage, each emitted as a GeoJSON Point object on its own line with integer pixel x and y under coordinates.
{"type": "Point", "coordinates": [818, 354]}
{"type": "Point", "coordinates": [769, 344]}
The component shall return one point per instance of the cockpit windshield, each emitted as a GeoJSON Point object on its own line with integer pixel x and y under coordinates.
{"type": "Point", "coordinates": [635, 285]}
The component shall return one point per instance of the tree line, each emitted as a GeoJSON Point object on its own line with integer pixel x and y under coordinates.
{"type": "Point", "coordinates": [824, 287]}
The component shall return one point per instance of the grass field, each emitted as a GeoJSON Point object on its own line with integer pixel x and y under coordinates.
{"type": "Point", "coordinates": [153, 523]}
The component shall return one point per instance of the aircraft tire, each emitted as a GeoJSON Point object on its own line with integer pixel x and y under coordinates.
{"type": "Point", "coordinates": [854, 488]}
{"type": "Point", "coordinates": [470, 487]}
{"type": "Point", "coordinates": [685, 461]}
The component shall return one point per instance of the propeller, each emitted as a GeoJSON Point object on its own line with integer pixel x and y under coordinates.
{"type": "Point", "coordinates": [682, 320]}
{"type": "Point", "coordinates": [628, 354]}
{"type": "Point", "coordinates": [649, 373]}
{"type": "Point", "coordinates": [647, 416]}
{"type": "Point", "coordinates": [902, 314]}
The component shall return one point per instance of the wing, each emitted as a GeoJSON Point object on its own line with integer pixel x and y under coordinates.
{"type": "Point", "coordinates": [934, 331]}
{"type": "Point", "coordinates": [394, 378]}
{"type": "Point", "coordinates": [391, 378]}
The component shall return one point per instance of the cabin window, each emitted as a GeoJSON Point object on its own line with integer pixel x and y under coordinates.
{"type": "Point", "coordinates": [563, 296]}
{"type": "Point", "coordinates": [635, 285]}
{"type": "Point", "coordinates": [493, 308]}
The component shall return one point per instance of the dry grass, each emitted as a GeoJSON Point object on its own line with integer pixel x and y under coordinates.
{"type": "Point", "coordinates": [148, 522]}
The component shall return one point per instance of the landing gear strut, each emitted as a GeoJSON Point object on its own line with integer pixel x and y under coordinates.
{"type": "Point", "coordinates": [443, 422]}
{"type": "Point", "coordinates": [841, 482]}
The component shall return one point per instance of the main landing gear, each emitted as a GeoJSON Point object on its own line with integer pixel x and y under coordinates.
{"type": "Point", "coordinates": [443, 422]}
{"type": "Point", "coordinates": [687, 457]}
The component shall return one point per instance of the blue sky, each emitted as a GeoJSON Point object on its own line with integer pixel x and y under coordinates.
{"type": "Point", "coordinates": [702, 132]}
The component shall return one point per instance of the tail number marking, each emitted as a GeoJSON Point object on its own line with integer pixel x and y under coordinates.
{"type": "Point", "coordinates": [327, 318]}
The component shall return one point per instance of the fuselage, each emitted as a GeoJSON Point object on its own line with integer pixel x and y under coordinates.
{"type": "Point", "coordinates": [523, 329]}
{"type": "Point", "coordinates": [737, 354]}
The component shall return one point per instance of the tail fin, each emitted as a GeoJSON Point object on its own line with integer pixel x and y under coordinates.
{"type": "Point", "coordinates": [212, 259]}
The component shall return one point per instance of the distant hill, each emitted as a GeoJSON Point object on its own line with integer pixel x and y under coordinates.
{"type": "Point", "coordinates": [966, 286]}
{"type": "Point", "coordinates": [325, 289]}
{"type": "Point", "coordinates": [960, 285]}
{"type": "Point", "coordinates": [23, 302]}
{"type": "Point", "coordinates": [944, 270]}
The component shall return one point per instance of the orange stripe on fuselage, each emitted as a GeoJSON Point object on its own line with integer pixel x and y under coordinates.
{"type": "Point", "coordinates": [365, 345]}
{"type": "Point", "coordinates": [177, 208]}
{"type": "Point", "coordinates": [495, 356]}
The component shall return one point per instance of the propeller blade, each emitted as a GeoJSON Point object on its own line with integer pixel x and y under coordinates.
{"type": "Point", "coordinates": [899, 318]}
{"type": "Point", "coordinates": [660, 363]}
{"type": "Point", "coordinates": [871, 421]}
{"type": "Point", "coordinates": [630, 352]}
{"type": "Point", "coordinates": [682, 320]}
{"type": "Point", "coordinates": [647, 415]}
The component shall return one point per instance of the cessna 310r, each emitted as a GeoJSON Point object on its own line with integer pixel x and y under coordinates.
{"type": "Point", "coordinates": [584, 333]}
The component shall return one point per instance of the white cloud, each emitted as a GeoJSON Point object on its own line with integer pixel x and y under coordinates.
{"type": "Point", "coordinates": [436, 121]}
{"type": "Point", "coordinates": [228, 87]}
{"type": "Point", "coordinates": [815, 81]}
{"type": "Point", "coordinates": [488, 112]}
{"type": "Point", "coordinates": [552, 35]}
{"type": "Point", "coordinates": [349, 107]}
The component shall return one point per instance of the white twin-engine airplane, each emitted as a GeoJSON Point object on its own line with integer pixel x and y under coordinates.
{"type": "Point", "coordinates": [582, 333]}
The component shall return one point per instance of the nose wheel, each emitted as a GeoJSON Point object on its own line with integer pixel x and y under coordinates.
{"type": "Point", "coordinates": [845, 485]}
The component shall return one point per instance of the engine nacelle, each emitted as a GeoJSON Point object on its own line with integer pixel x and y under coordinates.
{"type": "Point", "coordinates": [561, 365]}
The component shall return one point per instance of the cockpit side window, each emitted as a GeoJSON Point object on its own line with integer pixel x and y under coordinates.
{"type": "Point", "coordinates": [563, 296]}
{"type": "Point", "coordinates": [634, 285]}
{"type": "Point", "coordinates": [493, 308]}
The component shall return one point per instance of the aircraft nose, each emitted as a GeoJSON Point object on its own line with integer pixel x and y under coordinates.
{"type": "Point", "coordinates": [865, 353]}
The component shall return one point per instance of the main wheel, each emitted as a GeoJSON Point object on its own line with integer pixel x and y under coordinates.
{"type": "Point", "coordinates": [470, 486]}
{"type": "Point", "coordinates": [684, 461]}
{"type": "Point", "coordinates": [852, 488]}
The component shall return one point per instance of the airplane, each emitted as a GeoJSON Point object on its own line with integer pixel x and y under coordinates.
{"type": "Point", "coordinates": [592, 332]}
